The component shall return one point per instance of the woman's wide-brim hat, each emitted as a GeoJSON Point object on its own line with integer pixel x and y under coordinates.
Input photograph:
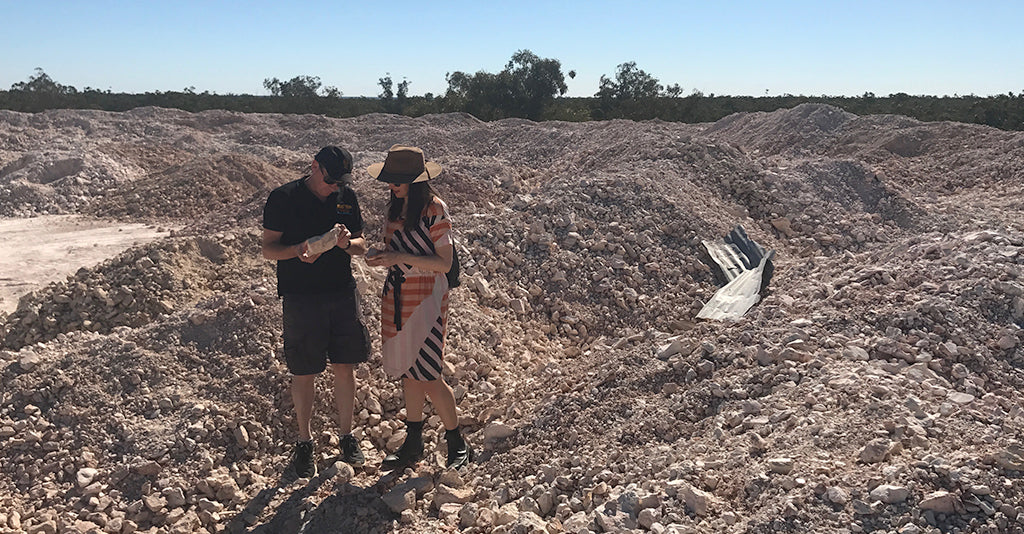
{"type": "Point", "coordinates": [404, 165]}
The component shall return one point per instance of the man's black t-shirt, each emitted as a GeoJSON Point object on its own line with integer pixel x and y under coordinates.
{"type": "Point", "coordinates": [298, 214]}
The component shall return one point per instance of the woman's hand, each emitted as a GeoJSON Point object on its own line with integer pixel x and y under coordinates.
{"type": "Point", "coordinates": [383, 258]}
{"type": "Point", "coordinates": [438, 263]}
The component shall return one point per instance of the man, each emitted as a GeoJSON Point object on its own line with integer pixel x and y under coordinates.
{"type": "Point", "coordinates": [321, 312]}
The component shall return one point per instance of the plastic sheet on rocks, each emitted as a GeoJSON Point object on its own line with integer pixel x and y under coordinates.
{"type": "Point", "coordinates": [744, 267]}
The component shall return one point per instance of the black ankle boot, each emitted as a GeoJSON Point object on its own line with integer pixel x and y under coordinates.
{"type": "Point", "coordinates": [411, 450]}
{"type": "Point", "coordinates": [459, 451]}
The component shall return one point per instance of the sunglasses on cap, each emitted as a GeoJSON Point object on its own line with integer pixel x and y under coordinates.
{"type": "Point", "coordinates": [328, 179]}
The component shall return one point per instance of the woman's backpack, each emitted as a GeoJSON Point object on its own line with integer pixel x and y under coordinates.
{"type": "Point", "coordinates": [453, 272]}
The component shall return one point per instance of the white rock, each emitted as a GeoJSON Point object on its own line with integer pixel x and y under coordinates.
{"type": "Point", "coordinates": [647, 517]}
{"type": "Point", "coordinates": [29, 360]}
{"type": "Point", "coordinates": [837, 495]}
{"type": "Point", "coordinates": [781, 465]}
{"type": "Point", "coordinates": [497, 430]}
{"type": "Point", "coordinates": [958, 397]}
{"type": "Point", "coordinates": [85, 476]}
{"type": "Point", "coordinates": [875, 451]}
{"type": "Point", "coordinates": [890, 494]}
{"type": "Point", "coordinates": [175, 497]}
{"type": "Point", "coordinates": [697, 501]}
{"type": "Point", "coordinates": [942, 502]}
{"type": "Point", "coordinates": [445, 495]}
{"type": "Point", "coordinates": [856, 353]}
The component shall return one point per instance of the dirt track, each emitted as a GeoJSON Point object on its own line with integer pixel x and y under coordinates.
{"type": "Point", "coordinates": [47, 248]}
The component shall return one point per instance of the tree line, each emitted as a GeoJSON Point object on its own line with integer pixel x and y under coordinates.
{"type": "Point", "coordinates": [529, 87]}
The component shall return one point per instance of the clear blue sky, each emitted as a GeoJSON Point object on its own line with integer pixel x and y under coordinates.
{"type": "Point", "coordinates": [773, 47]}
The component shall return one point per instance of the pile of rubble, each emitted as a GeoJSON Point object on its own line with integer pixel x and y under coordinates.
{"type": "Point", "coordinates": [876, 388]}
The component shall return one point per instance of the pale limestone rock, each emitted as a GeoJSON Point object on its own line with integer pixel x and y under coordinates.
{"type": "Point", "coordinates": [697, 501]}
{"type": "Point", "coordinates": [784, 225]}
{"type": "Point", "coordinates": [340, 471]}
{"type": "Point", "coordinates": [324, 242]}
{"type": "Point", "coordinates": [1010, 458]}
{"type": "Point", "coordinates": [444, 495]}
{"type": "Point", "coordinates": [647, 518]}
{"type": "Point", "coordinates": [484, 516]}
{"type": "Point", "coordinates": [29, 360]}
{"type": "Point", "coordinates": [948, 349]}
{"type": "Point", "coordinates": [781, 465]}
{"type": "Point", "coordinates": [960, 398]}
{"type": "Point", "coordinates": [85, 476]}
{"type": "Point", "coordinates": [449, 512]}
{"type": "Point", "coordinates": [837, 495]}
{"type": "Point", "coordinates": [497, 430]}
{"type": "Point", "coordinates": [175, 497]}
{"type": "Point", "coordinates": [154, 502]}
{"type": "Point", "coordinates": [46, 527]}
{"type": "Point", "coordinates": [890, 494]}
{"type": "Point", "coordinates": [577, 522]}
{"type": "Point", "coordinates": [610, 519]}
{"type": "Point", "coordinates": [210, 506]}
{"type": "Point", "coordinates": [1007, 342]}
{"type": "Point", "coordinates": [546, 502]}
{"type": "Point", "coordinates": [875, 451]}
{"type": "Point", "coordinates": [505, 514]}
{"type": "Point", "coordinates": [482, 287]}
{"type": "Point", "coordinates": [941, 502]}
{"type": "Point", "coordinates": [854, 352]}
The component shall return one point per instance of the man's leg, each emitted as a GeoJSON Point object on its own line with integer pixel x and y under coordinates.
{"type": "Point", "coordinates": [302, 398]}
{"type": "Point", "coordinates": [344, 400]}
{"type": "Point", "coordinates": [344, 394]}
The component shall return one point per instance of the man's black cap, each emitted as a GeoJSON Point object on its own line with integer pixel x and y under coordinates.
{"type": "Point", "coordinates": [336, 162]}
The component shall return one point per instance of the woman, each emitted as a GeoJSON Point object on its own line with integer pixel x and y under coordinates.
{"type": "Point", "coordinates": [414, 313]}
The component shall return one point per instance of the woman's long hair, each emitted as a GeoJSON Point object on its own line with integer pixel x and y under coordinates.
{"type": "Point", "coordinates": [419, 197]}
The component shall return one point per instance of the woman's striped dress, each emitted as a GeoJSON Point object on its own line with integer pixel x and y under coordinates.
{"type": "Point", "coordinates": [413, 338]}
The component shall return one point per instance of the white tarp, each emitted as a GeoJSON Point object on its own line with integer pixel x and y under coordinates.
{"type": "Point", "coordinates": [745, 267]}
{"type": "Point", "coordinates": [732, 300]}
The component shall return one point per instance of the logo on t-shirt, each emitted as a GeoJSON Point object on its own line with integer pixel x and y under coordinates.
{"type": "Point", "coordinates": [344, 209]}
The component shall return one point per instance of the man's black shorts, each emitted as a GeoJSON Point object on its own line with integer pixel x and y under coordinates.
{"type": "Point", "coordinates": [318, 328]}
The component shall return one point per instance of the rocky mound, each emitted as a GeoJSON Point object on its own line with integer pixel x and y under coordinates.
{"type": "Point", "coordinates": [876, 388]}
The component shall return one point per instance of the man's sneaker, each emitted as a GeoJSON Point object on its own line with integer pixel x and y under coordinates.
{"type": "Point", "coordinates": [350, 452]}
{"type": "Point", "coordinates": [305, 467]}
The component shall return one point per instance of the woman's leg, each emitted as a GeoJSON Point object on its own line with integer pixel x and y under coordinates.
{"type": "Point", "coordinates": [412, 448]}
{"type": "Point", "coordinates": [442, 398]}
{"type": "Point", "coordinates": [414, 393]}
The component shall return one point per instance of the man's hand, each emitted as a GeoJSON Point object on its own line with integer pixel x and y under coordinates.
{"type": "Point", "coordinates": [304, 254]}
{"type": "Point", "coordinates": [344, 238]}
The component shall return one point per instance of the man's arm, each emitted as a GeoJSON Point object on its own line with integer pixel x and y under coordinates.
{"type": "Point", "coordinates": [356, 245]}
{"type": "Point", "coordinates": [274, 250]}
